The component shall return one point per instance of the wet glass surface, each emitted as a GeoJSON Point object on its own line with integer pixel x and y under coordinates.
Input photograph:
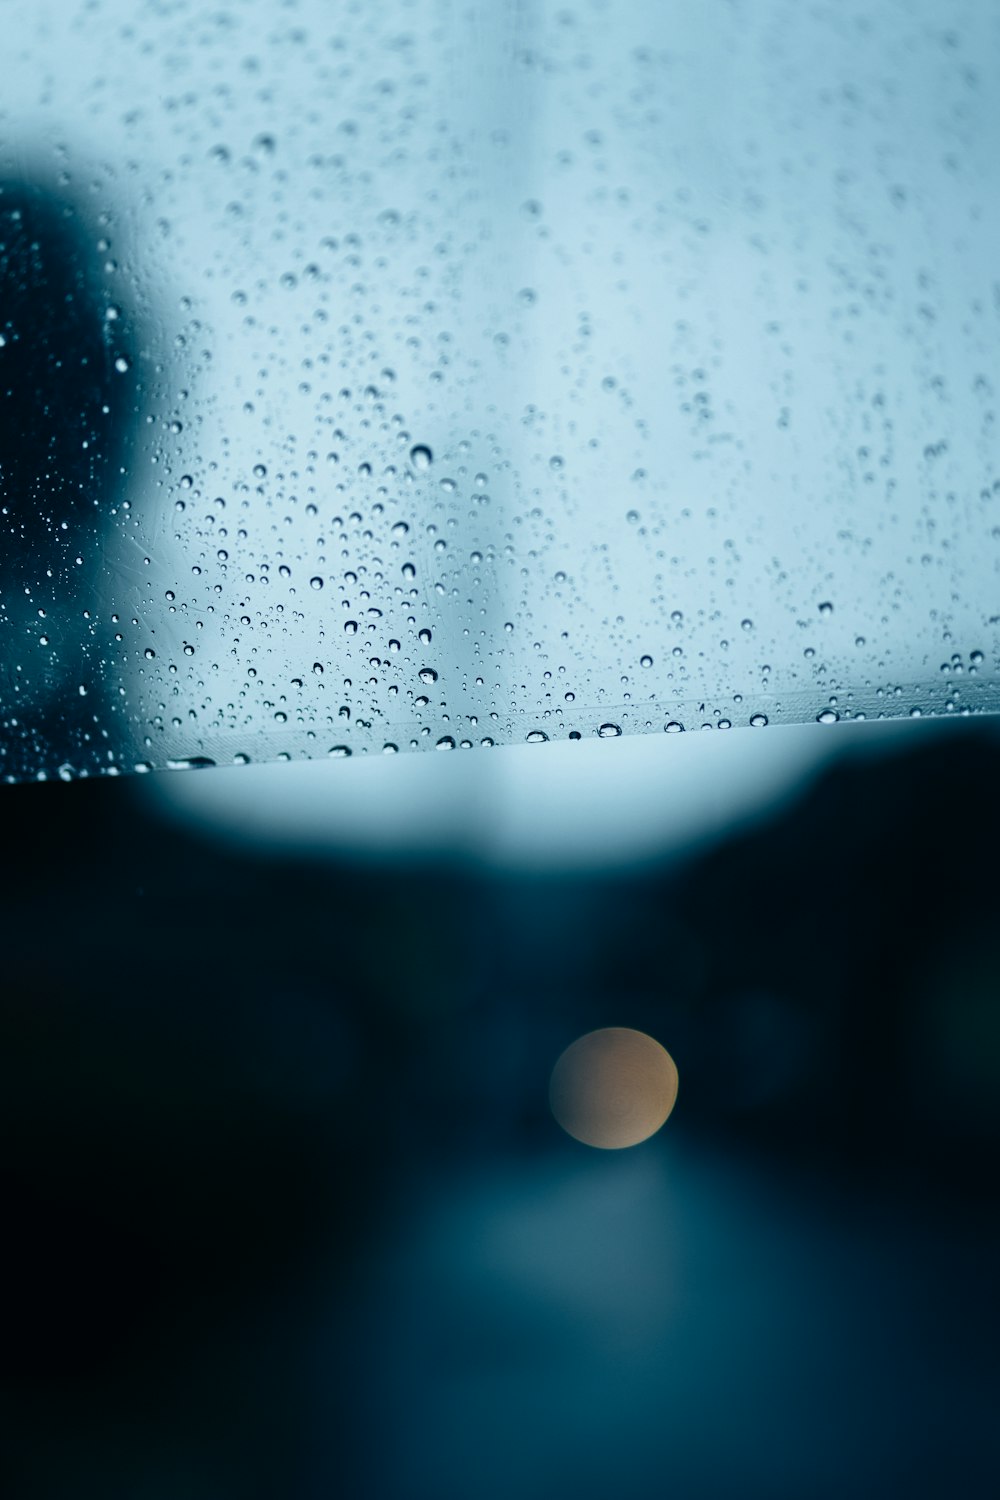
{"type": "Point", "coordinates": [403, 376]}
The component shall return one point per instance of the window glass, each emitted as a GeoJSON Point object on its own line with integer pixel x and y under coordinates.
{"type": "Point", "coordinates": [378, 377]}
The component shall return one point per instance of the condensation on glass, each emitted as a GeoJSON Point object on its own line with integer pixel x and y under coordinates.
{"type": "Point", "coordinates": [379, 377]}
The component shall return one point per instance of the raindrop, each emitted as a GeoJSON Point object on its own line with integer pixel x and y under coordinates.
{"type": "Point", "coordinates": [421, 456]}
{"type": "Point", "coordinates": [316, 583]}
{"type": "Point", "coordinates": [828, 716]}
{"type": "Point", "coordinates": [758, 720]}
{"type": "Point", "coordinates": [645, 661]}
{"type": "Point", "coordinates": [340, 752]}
{"type": "Point", "coordinates": [427, 675]}
{"type": "Point", "coordinates": [537, 737]}
{"type": "Point", "coordinates": [609, 731]}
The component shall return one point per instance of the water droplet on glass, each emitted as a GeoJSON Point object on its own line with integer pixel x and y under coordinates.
{"type": "Point", "coordinates": [316, 583]}
{"type": "Point", "coordinates": [537, 737]}
{"type": "Point", "coordinates": [645, 661]}
{"type": "Point", "coordinates": [427, 675]}
{"type": "Point", "coordinates": [609, 731]}
{"type": "Point", "coordinates": [758, 720]}
{"type": "Point", "coordinates": [421, 456]}
{"type": "Point", "coordinates": [828, 716]}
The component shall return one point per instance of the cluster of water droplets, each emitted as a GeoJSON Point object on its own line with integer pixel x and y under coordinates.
{"type": "Point", "coordinates": [453, 423]}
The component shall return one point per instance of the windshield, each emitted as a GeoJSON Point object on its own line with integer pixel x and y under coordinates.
{"type": "Point", "coordinates": [403, 376]}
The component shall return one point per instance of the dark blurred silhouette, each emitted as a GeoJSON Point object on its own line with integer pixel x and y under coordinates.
{"type": "Point", "coordinates": [232, 1083]}
{"type": "Point", "coordinates": [67, 409]}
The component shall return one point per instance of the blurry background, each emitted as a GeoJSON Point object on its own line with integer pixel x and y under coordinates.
{"type": "Point", "coordinates": [427, 375]}
{"type": "Point", "coordinates": [287, 1213]}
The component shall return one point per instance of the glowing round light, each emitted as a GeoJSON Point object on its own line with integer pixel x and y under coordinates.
{"type": "Point", "coordinates": [613, 1088]}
